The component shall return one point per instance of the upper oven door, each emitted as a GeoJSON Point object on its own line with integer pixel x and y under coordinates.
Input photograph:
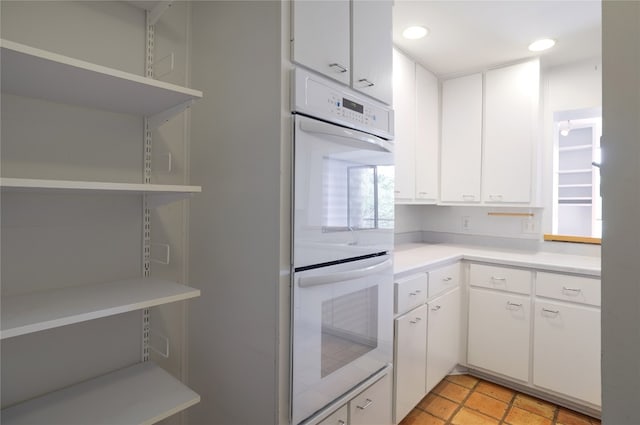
{"type": "Point", "coordinates": [343, 193]}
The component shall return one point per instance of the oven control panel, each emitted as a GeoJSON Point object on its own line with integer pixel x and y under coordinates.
{"type": "Point", "coordinates": [321, 98]}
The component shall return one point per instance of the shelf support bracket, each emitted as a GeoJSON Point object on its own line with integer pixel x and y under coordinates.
{"type": "Point", "coordinates": [161, 117]}
{"type": "Point", "coordinates": [158, 10]}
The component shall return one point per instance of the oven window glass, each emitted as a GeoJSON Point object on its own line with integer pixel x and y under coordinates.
{"type": "Point", "coordinates": [357, 197]}
{"type": "Point", "coordinates": [349, 328]}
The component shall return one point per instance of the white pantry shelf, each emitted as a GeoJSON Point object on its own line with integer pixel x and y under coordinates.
{"type": "Point", "coordinates": [142, 394]}
{"type": "Point", "coordinates": [36, 73]}
{"type": "Point", "coordinates": [576, 171]}
{"type": "Point", "coordinates": [20, 184]}
{"type": "Point", "coordinates": [41, 310]}
{"type": "Point", "coordinates": [575, 148]}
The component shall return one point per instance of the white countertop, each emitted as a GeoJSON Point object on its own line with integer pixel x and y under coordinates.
{"type": "Point", "coordinates": [415, 257]}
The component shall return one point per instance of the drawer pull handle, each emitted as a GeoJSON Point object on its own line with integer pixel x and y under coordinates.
{"type": "Point", "coordinates": [341, 422]}
{"type": "Point", "coordinates": [546, 310]}
{"type": "Point", "coordinates": [447, 279]}
{"type": "Point", "coordinates": [366, 83]}
{"type": "Point", "coordinates": [368, 402]}
{"type": "Point", "coordinates": [571, 291]}
{"type": "Point", "coordinates": [471, 197]}
{"type": "Point", "coordinates": [414, 293]}
{"type": "Point", "coordinates": [338, 67]}
{"type": "Point", "coordinates": [416, 320]}
{"type": "Point", "coordinates": [510, 306]}
{"type": "Point", "coordinates": [436, 308]}
{"type": "Point", "coordinates": [498, 279]}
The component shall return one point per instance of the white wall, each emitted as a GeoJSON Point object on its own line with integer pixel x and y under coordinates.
{"type": "Point", "coordinates": [621, 209]}
{"type": "Point", "coordinates": [235, 237]}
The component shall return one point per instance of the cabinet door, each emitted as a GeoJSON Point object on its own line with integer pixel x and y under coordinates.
{"type": "Point", "coordinates": [443, 336]}
{"type": "Point", "coordinates": [410, 360]}
{"type": "Point", "coordinates": [404, 103]}
{"type": "Point", "coordinates": [373, 405]}
{"type": "Point", "coordinates": [566, 350]}
{"type": "Point", "coordinates": [499, 333]}
{"type": "Point", "coordinates": [372, 48]}
{"type": "Point", "coordinates": [427, 152]}
{"type": "Point", "coordinates": [461, 150]}
{"type": "Point", "coordinates": [511, 122]}
{"type": "Point", "coordinates": [321, 37]}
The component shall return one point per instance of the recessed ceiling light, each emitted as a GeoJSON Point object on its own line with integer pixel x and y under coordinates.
{"type": "Point", "coordinates": [415, 32]}
{"type": "Point", "coordinates": [540, 45]}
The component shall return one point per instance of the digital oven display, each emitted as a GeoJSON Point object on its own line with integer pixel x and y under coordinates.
{"type": "Point", "coordinates": [350, 104]}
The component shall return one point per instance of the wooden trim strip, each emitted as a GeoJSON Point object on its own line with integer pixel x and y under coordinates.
{"type": "Point", "coordinates": [575, 239]}
{"type": "Point", "coordinates": [510, 214]}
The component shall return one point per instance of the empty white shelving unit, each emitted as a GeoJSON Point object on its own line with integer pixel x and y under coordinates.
{"type": "Point", "coordinates": [79, 189]}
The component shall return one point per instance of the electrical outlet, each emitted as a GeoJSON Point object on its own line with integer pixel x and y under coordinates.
{"type": "Point", "coordinates": [466, 223]}
{"type": "Point", "coordinates": [529, 226]}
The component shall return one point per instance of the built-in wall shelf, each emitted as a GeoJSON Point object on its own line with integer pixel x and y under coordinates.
{"type": "Point", "coordinates": [36, 73]}
{"type": "Point", "coordinates": [575, 148]}
{"type": "Point", "coordinates": [41, 310]}
{"type": "Point", "coordinates": [575, 185]}
{"type": "Point", "coordinates": [137, 395]}
{"type": "Point", "coordinates": [74, 186]}
{"type": "Point", "coordinates": [577, 171]}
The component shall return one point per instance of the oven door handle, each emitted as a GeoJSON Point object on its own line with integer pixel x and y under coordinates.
{"type": "Point", "coordinates": [350, 137]}
{"type": "Point", "coordinates": [324, 279]}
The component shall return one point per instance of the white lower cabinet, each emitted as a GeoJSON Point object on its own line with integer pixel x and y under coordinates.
{"type": "Point", "coordinates": [499, 331]}
{"type": "Point", "coordinates": [566, 354]}
{"type": "Point", "coordinates": [339, 417]}
{"type": "Point", "coordinates": [443, 337]}
{"type": "Point", "coordinates": [373, 405]}
{"type": "Point", "coordinates": [410, 360]}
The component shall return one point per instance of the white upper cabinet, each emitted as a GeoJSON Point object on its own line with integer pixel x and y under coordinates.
{"type": "Point", "coordinates": [511, 122]}
{"type": "Point", "coordinates": [321, 37]}
{"type": "Point", "coordinates": [349, 41]}
{"type": "Point", "coordinates": [372, 49]}
{"type": "Point", "coordinates": [404, 105]}
{"type": "Point", "coordinates": [427, 150]}
{"type": "Point", "coordinates": [461, 150]}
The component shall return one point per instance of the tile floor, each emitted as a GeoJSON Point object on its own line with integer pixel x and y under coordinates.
{"type": "Point", "coordinates": [466, 400]}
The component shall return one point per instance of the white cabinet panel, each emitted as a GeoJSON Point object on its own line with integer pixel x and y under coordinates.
{"type": "Point", "coordinates": [511, 122]}
{"type": "Point", "coordinates": [502, 278]}
{"type": "Point", "coordinates": [443, 337]}
{"type": "Point", "coordinates": [321, 37]}
{"type": "Point", "coordinates": [566, 355]}
{"type": "Point", "coordinates": [373, 405]}
{"type": "Point", "coordinates": [499, 329]}
{"type": "Point", "coordinates": [372, 49]}
{"type": "Point", "coordinates": [427, 147]}
{"type": "Point", "coordinates": [410, 360]}
{"type": "Point", "coordinates": [443, 279]}
{"type": "Point", "coordinates": [461, 150]}
{"type": "Point", "coordinates": [404, 104]}
{"type": "Point", "coordinates": [410, 292]}
{"type": "Point", "coordinates": [575, 289]}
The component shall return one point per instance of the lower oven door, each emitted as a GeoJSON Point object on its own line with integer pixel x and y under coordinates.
{"type": "Point", "coordinates": [342, 330]}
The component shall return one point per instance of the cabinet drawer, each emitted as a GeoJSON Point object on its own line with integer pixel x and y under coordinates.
{"type": "Point", "coordinates": [443, 278]}
{"type": "Point", "coordinates": [512, 280]}
{"type": "Point", "coordinates": [339, 417]}
{"type": "Point", "coordinates": [410, 292]}
{"type": "Point", "coordinates": [576, 289]}
{"type": "Point", "coordinates": [373, 405]}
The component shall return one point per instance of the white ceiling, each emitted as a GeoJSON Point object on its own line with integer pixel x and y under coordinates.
{"type": "Point", "coordinates": [468, 36]}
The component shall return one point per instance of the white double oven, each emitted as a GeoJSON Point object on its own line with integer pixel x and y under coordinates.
{"type": "Point", "coordinates": [343, 218]}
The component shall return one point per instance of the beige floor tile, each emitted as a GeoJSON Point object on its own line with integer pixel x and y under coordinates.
{"type": "Point", "coordinates": [535, 405]}
{"type": "Point", "coordinates": [470, 417]}
{"type": "Point", "coordinates": [438, 406]}
{"type": "Point", "coordinates": [467, 381]}
{"type": "Point", "coordinates": [487, 405]}
{"type": "Point", "coordinates": [451, 391]}
{"type": "Point", "coordinates": [517, 416]}
{"type": "Point", "coordinates": [569, 417]}
{"type": "Point", "coordinates": [495, 391]}
{"type": "Point", "coordinates": [418, 417]}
